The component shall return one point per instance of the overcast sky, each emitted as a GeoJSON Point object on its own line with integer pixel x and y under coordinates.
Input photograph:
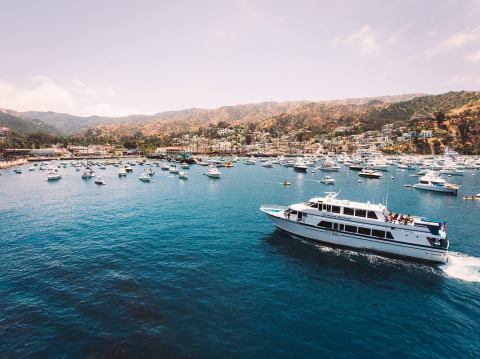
{"type": "Point", "coordinates": [119, 57]}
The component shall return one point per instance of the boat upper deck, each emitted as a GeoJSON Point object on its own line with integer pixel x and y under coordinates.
{"type": "Point", "coordinates": [370, 211]}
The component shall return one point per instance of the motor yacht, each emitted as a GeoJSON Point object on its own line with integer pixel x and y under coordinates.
{"type": "Point", "coordinates": [99, 180]}
{"type": "Point", "coordinates": [144, 177]}
{"type": "Point", "coordinates": [53, 175]}
{"type": "Point", "coordinates": [173, 169]}
{"type": "Point", "coordinates": [328, 180]}
{"type": "Point", "coordinates": [87, 173]}
{"type": "Point", "coordinates": [329, 165]}
{"type": "Point", "coordinates": [300, 166]}
{"type": "Point", "coordinates": [369, 173]}
{"type": "Point", "coordinates": [267, 164]}
{"type": "Point", "coordinates": [213, 172]}
{"type": "Point", "coordinates": [363, 226]}
{"type": "Point", "coordinates": [183, 175]}
{"type": "Point", "coordinates": [431, 181]}
{"type": "Point", "coordinates": [122, 172]}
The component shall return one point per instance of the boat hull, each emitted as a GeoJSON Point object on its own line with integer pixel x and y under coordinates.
{"type": "Point", "coordinates": [300, 169]}
{"type": "Point", "coordinates": [437, 189]}
{"type": "Point", "coordinates": [341, 239]}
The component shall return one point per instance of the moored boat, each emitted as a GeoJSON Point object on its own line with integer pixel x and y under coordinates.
{"type": "Point", "coordinates": [99, 180]}
{"type": "Point", "coordinates": [213, 172]}
{"type": "Point", "coordinates": [53, 175]}
{"type": "Point", "coordinates": [431, 181]}
{"type": "Point", "coordinates": [369, 173]}
{"type": "Point", "coordinates": [300, 166]}
{"type": "Point", "coordinates": [144, 177]}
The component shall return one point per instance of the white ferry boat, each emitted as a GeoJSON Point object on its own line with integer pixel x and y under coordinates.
{"type": "Point", "coordinates": [363, 226]}
{"type": "Point", "coordinates": [433, 182]}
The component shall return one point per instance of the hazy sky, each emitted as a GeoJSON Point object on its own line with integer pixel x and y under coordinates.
{"type": "Point", "coordinates": [118, 57]}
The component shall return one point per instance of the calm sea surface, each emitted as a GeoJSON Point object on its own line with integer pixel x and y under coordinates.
{"type": "Point", "coordinates": [192, 269]}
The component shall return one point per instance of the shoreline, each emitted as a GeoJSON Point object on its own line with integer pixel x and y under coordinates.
{"type": "Point", "coordinates": [10, 164]}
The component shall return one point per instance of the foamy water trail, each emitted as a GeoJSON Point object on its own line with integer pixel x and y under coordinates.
{"type": "Point", "coordinates": [462, 267]}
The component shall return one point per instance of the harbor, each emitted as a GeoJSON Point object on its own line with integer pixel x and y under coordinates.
{"type": "Point", "coordinates": [200, 249]}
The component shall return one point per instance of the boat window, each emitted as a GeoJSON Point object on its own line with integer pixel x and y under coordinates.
{"type": "Point", "coordinates": [314, 205]}
{"type": "Point", "coordinates": [351, 229]}
{"type": "Point", "coordinates": [293, 212]}
{"type": "Point", "coordinates": [424, 182]}
{"type": "Point", "coordinates": [299, 216]}
{"type": "Point", "coordinates": [335, 209]}
{"type": "Point", "coordinates": [335, 226]}
{"type": "Point", "coordinates": [360, 213]}
{"type": "Point", "coordinates": [329, 208]}
{"type": "Point", "coordinates": [341, 227]}
{"type": "Point", "coordinates": [372, 215]}
{"type": "Point", "coordinates": [348, 211]}
{"type": "Point", "coordinates": [434, 229]}
{"type": "Point", "coordinates": [325, 224]}
{"type": "Point", "coordinates": [365, 231]}
{"type": "Point", "coordinates": [377, 233]}
{"type": "Point", "coordinates": [389, 235]}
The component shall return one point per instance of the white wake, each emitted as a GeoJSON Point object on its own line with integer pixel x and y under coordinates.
{"type": "Point", "coordinates": [462, 267]}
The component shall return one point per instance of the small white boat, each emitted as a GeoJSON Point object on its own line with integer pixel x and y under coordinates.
{"type": "Point", "coordinates": [99, 180]}
{"type": "Point", "coordinates": [32, 168]}
{"type": "Point", "coordinates": [122, 172]}
{"type": "Point", "coordinates": [173, 169]}
{"type": "Point", "coordinates": [17, 170]}
{"type": "Point", "coordinates": [128, 169]}
{"type": "Point", "coordinates": [267, 164]}
{"type": "Point", "coordinates": [164, 167]}
{"type": "Point", "coordinates": [183, 175]}
{"type": "Point", "coordinates": [88, 173]}
{"type": "Point", "coordinates": [144, 177]}
{"type": "Point", "coordinates": [213, 172]}
{"type": "Point", "coordinates": [328, 180]}
{"type": "Point", "coordinates": [53, 175]}
{"type": "Point", "coordinates": [184, 165]}
{"type": "Point", "coordinates": [329, 165]}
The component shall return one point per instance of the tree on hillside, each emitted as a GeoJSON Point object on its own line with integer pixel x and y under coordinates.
{"type": "Point", "coordinates": [437, 147]}
{"type": "Point", "coordinates": [439, 117]}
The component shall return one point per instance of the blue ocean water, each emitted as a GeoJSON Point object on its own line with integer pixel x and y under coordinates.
{"type": "Point", "coordinates": [192, 269]}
